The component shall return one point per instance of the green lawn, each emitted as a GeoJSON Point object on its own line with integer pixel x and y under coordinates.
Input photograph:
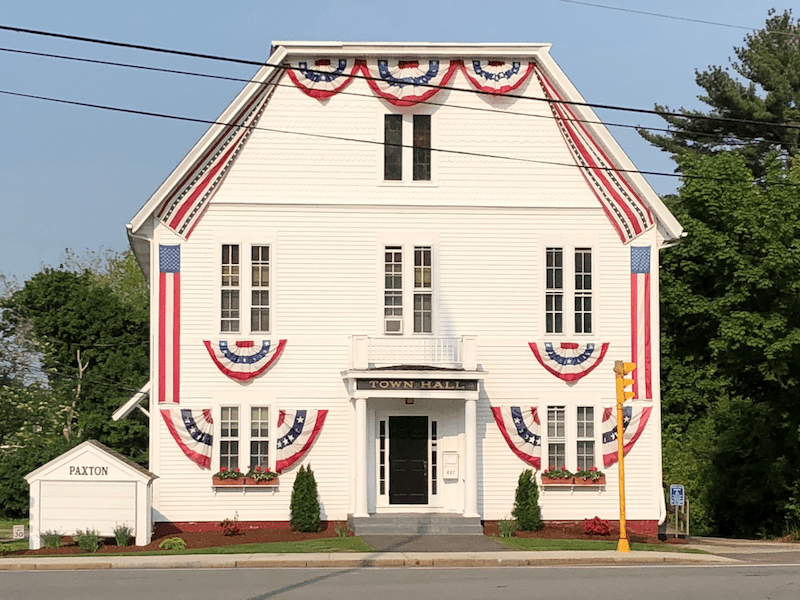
{"type": "Point", "coordinates": [350, 544]}
{"type": "Point", "coordinates": [515, 543]}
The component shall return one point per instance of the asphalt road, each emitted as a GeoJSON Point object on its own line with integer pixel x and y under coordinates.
{"type": "Point", "coordinates": [749, 582]}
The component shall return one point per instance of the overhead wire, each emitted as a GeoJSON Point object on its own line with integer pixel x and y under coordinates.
{"type": "Point", "coordinates": [356, 94]}
{"type": "Point", "coordinates": [188, 54]}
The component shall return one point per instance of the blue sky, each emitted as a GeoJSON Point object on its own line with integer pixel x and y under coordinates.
{"type": "Point", "coordinates": [72, 177]}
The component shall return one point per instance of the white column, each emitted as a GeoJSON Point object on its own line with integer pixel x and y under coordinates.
{"type": "Point", "coordinates": [361, 458]}
{"type": "Point", "coordinates": [471, 459]}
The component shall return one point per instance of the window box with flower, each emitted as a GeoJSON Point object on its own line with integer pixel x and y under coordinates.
{"type": "Point", "coordinates": [261, 476]}
{"type": "Point", "coordinates": [554, 476]}
{"type": "Point", "coordinates": [226, 476]}
{"type": "Point", "coordinates": [590, 476]}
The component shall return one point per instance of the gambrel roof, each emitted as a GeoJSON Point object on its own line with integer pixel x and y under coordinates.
{"type": "Point", "coordinates": [404, 75]}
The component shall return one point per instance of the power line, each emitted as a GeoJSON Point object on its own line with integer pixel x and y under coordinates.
{"type": "Point", "coordinates": [662, 16]}
{"type": "Point", "coordinates": [357, 140]}
{"type": "Point", "coordinates": [351, 93]}
{"type": "Point", "coordinates": [365, 77]}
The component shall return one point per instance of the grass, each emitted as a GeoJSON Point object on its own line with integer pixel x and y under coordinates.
{"type": "Point", "coordinates": [535, 544]}
{"type": "Point", "coordinates": [332, 545]}
{"type": "Point", "coordinates": [13, 546]}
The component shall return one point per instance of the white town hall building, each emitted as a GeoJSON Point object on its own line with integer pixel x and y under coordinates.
{"type": "Point", "coordinates": [412, 267]}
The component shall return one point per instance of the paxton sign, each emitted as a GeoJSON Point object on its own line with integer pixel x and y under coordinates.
{"type": "Point", "coordinates": [451, 385]}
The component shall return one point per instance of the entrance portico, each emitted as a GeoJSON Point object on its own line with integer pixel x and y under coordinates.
{"type": "Point", "coordinates": [415, 437]}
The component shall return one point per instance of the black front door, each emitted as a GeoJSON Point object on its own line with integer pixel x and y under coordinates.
{"type": "Point", "coordinates": [408, 460]}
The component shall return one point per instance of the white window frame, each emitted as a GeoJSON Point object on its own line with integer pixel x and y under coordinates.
{"type": "Point", "coordinates": [407, 178]}
{"type": "Point", "coordinates": [245, 436]}
{"type": "Point", "coordinates": [229, 438]}
{"type": "Point", "coordinates": [568, 290]}
{"type": "Point", "coordinates": [584, 437]}
{"type": "Point", "coordinates": [260, 437]}
{"type": "Point", "coordinates": [408, 243]}
{"type": "Point", "coordinates": [553, 436]}
{"type": "Point", "coordinates": [246, 240]}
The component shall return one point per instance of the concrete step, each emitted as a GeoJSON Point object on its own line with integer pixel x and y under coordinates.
{"type": "Point", "coordinates": [415, 524]}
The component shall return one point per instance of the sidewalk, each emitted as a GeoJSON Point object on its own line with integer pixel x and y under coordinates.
{"type": "Point", "coordinates": [374, 559]}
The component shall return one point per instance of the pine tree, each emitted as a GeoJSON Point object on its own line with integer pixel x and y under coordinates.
{"type": "Point", "coordinates": [305, 504]}
{"type": "Point", "coordinates": [759, 89]}
{"type": "Point", "coordinates": [526, 503]}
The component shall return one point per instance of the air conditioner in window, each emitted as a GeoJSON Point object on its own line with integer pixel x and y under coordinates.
{"type": "Point", "coordinates": [393, 325]}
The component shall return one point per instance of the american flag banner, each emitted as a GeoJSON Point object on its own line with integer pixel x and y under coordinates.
{"type": "Point", "coordinates": [188, 200]}
{"type": "Point", "coordinates": [322, 78]}
{"type": "Point", "coordinates": [243, 360]}
{"type": "Point", "coordinates": [297, 430]}
{"type": "Point", "coordinates": [496, 76]}
{"type": "Point", "coordinates": [522, 432]}
{"type": "Point", "coordinates": [193, 430]}
{"type": "Point", "coordinates": [627, 212]}
{"type": "Point", "coordinates": [634, 420]}
{"type": "Point", "coordinates": [640, 323]}
{"type": "Point", "coordinates": [169, 323]}
{"type": "Point", "coordinates": [569, 361]}
{"type": "Point", "coordinates": [407, 82]}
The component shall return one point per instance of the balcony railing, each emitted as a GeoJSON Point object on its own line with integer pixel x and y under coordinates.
{"type": "Point", "coordinates": [443, 352]}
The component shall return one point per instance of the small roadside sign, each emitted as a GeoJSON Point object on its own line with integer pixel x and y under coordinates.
{"type": "Point", "coordinates": [676, 495]}
{"type": "Point", "coordinates": [18, 532]}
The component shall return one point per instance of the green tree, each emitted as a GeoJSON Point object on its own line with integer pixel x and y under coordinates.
{"type": "Point", "coordinates": [730, 308]}
{"type": "Point", "coordinates": [304, 505]}
{"type": "Point", "coordinates": [759, 89]}
{"type": "Point", "coordinates": [527, 511]}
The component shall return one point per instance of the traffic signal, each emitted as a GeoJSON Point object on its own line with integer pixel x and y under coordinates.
{"type": "Point", "coordinates": [620, 370]}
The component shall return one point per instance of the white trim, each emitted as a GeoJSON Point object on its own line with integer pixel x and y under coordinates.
{"type": "Point", "coordinates": [127, 408]}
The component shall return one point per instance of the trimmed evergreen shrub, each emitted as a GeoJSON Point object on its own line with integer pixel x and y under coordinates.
{"type": "Point", "coordinates": [527, 511]}
{"type": "Point", "coordinates": [305, 504]}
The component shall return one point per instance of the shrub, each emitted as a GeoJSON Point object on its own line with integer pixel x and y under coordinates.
{"type": "Point", "coordinates": [51, 539]}
{"type": "Point", "coordinates": [231, 526]}
{"type": "Point", "coordinates": [526, 503]}
{"type": "Point", "coordinates": [123, 534]}
{"type": "Point", "coordinates": [88, 541]}
{"type": "Point", "coordinates": [174, 543]}
{"type": "Point", "coordinates": [596, 526]}
{"type": "Point", "coordinates": [507, 527]}
{"type": "Point", "coordinates": [305, 504]}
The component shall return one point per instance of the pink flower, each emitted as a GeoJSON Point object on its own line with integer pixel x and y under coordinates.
{"type": "Point", "coordinates": [593, 469]}
{"type": "Point", "coordinates": [223, 469]}
{"type": "Point", "coordinates": [258, 469]}
{"type": "Point", "coordinates": [564, 467]}
{"type": "Point", "coordinates": [237, 470]}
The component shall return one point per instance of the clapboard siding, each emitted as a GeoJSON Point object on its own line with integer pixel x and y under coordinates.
{"type": "Point", "coordinates": [324, 210]}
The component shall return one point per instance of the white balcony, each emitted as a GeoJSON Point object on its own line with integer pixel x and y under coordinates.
{"type": "Point", "coordinates": [443, 352]}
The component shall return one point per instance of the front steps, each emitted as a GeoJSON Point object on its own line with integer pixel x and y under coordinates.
{"type": "Point", "coordinates": [415, 524]}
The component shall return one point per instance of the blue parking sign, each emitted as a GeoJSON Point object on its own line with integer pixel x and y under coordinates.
{"type": "Point", "coordinates": [676, 495]}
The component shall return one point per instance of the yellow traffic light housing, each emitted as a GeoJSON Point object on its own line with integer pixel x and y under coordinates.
{"type": "Point", "coordinates": [620, 370]}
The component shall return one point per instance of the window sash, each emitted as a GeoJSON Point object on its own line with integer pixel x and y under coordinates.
{"type": "Point", "coordinates": [556, 422]}
{"type": "Point", "coordinates": [393, 281]}
{"type": "Point", "coordinates": [422, 148]}
{"type": "Point", "coordinates": [423, 280]}
{"type": "Point", "coordinates": [230, 284]}
{"type": "Point", "coordinates": [583, 290]}
{"type": "Point", "coordinates": [393, 147]}
{"type": "Point", "coordinates": [229, 438]}
{"type": "Point", "coordinates": [554, 294]}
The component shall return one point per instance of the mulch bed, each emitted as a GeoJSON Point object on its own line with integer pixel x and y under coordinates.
{"type": "Point", "coordinates": [210, 539]}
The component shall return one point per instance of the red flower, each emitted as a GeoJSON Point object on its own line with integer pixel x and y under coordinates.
{"type": "Point", "coordinates": [593, 469]}
{"type": "Point", "coordinates": [223, 469]}
{"type": "Point", "coordinates": [237, 470]}
{"type": "Point", "coordinates": [563, 467]}
{"type": "Point", "coordinates": [258, 469]}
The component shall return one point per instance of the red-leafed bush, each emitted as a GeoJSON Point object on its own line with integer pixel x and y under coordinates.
{"type": "Point", "coordinates": [596, 526]}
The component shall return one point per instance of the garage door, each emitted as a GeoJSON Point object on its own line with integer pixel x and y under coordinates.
{"type": "Point", "coordinates": [101, 505]}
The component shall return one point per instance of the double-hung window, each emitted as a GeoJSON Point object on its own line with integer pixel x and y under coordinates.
{"type": "Point", "coordinates": [236, 301]}
{"type": "Point", "coordinates": [399, 291]}
{"type": "Point", "coordinates": [556, 437]}
{"type": "Point", "coordinates": [585, 438]}
{"type": "Point", "coordinates": [559, 273]}
{"type": "Point", "coordinates": [259, 436]}
{"type": "Point", "coordinates": [395, 150]}
{"type": "Point", "coordinates": [229, 438]}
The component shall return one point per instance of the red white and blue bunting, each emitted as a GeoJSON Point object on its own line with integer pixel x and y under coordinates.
{"type": "Point", "coordinates": [297, 430]}
{"type": "Point", "coordinates": [496, 76]}
{"type": "Point", "coordinates": [634, 420]}
{"type": "Point", "coordinates": [193, 431]}
{"type": "Point", "coordinates": [243, 360]}
{"type": "Point", "coordinates": [182, 208]}
{"type": "Point", "coordinates": [522, 431]}
{"type": "Point", "coordinates": [324, 77]}
{"type": "Point", "coordinates": [567, 360]}
{"type": "Point", "coordinates": [405, 82]}
{"type": "Point", "coordinates": [627, 212]}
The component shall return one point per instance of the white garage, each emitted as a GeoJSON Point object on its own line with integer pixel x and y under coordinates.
{"type": "Point", "coordinates": [90, 487]}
